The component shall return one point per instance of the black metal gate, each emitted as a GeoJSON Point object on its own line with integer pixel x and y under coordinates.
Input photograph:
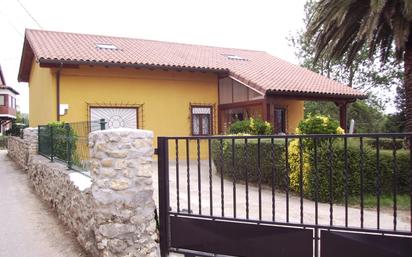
{"type": "Point", "coordinates": [295, 195]}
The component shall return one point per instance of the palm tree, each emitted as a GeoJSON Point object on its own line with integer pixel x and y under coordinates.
{"type": "Point", "coordinates": [341, 28]}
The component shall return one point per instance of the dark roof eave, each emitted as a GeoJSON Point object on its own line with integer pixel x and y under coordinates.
{"type": "Point", "coordinates": [316, 96]}
{"type": "Point", "coordinates": [131, 65]}
{"type": "Point", "coordinates": [3, 81]}
{"type": "Point", "coordinates": [10, 89]}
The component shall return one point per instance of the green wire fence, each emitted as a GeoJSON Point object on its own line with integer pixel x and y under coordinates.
{"type": "Point", "coordinates": [68, 142]}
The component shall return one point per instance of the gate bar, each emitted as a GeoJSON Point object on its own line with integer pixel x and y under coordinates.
{"type": "Point", "coordinates": [163, 179]}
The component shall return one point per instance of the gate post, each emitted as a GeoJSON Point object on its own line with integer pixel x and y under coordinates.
{"type": "Point", "coordinates": [122, 192]}
{"type": "Point", "coordinates": [163, 178]}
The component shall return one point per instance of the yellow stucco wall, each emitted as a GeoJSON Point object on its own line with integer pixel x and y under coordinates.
{"type": "Point", "coordinates": [294, 114]}
{"type": "Point", "coordinates": [165, 96]}
{"type": "Point", "coordinates": [42, 96]}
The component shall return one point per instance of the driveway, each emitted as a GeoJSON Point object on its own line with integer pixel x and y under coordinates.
{"type": "Point", "coordinates": [28, 228]}
{"type": "Point", "coordinates": [338, 211]}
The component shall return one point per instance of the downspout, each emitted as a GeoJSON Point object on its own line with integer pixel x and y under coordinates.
{"type": "Point", "coordinates": [58, 92]}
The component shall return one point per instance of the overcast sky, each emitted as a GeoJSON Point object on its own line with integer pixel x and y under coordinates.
{"type": "Point", "coordinates": [259, 25]}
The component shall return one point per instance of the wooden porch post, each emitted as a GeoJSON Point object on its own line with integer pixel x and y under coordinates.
{"type": "Point", "coordinates": [343, 114]}
{"type": "Point", "coordinates": [265, 111]}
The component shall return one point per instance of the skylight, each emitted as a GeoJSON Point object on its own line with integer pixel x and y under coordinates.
{"type": "Point", "coordinates": [234, 57]}
{"type": "Point", "coordinates": [106, 46]}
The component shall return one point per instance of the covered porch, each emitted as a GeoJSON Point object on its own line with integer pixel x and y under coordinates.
{"type": "Point", "coordinates": [282, 109]}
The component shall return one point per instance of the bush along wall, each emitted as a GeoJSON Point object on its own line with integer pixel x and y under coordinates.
{"type": "Point", "coordinates": [62, 133]}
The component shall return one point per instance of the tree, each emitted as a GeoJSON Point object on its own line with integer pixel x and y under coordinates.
{"type": "Point", "coordinates": [368, 118]}
{"type": "Point", "coordinates": [396, 122]}
{"type": "Point", "coordinates": [364, 74]}
{"type": "Point", "coordinates": [342, 29]}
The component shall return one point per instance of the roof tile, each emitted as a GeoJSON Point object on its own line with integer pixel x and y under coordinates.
{"type": "Point", "coordinates": [261, 70]}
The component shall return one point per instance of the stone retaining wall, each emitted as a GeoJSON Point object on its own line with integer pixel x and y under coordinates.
{"type": "Point", "coordinates": [22, 150]}
{"type": "Point", "coordinates": [53, 184]}
{"type": "Point", "coordinates": [18, 151]}
{"type": "Point", "coordinates": [113, 215]}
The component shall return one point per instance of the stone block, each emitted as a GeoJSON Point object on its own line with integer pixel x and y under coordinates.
{"type": "Point", "coordinates": [122, 192]}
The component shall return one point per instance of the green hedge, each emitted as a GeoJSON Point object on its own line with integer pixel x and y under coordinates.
{"type": "Point", "coordinates": [386, 143]}
{"type": "Point", "coordinates": [249, 164]}
{"type": "Point", "coordinates": [355, 166]}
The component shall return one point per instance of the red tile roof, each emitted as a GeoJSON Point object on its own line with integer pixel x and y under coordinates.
{"type": "Point", "coordinates": [260, 70]}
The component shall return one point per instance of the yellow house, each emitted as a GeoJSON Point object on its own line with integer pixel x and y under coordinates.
{"type": "Point", "coordinates": [170, 88]}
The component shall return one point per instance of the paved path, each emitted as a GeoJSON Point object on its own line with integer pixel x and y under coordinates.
{"type": "Point", "coordinates": [28, 228]}
{"type": "Point", "coordinates": [338, 211]}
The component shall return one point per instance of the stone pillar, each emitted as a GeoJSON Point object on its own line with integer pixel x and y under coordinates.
{"type": "Point", "coordinates": [122, 192]}
{"type": "Point", "coordinates": [30, 136]}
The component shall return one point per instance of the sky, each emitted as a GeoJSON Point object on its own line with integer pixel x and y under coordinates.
{"type": "Point", "coordinates": [259, 25]}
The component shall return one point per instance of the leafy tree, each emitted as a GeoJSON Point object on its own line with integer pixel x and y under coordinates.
{"type": "Point", "coordinates": [396, 122]}
{"type": "Point", "coordinates": [345, 30]}
{"type": "Point", "coordinates": [363, 73]}
{"type": "Point", "coordinates": [22, 118]}
{"type": "Point", "coordinates": [368, 118]}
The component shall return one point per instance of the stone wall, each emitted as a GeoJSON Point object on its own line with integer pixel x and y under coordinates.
{"type": "Point", "coordinates": [18, 151]}
{"type": "Point", "coordinates": [114, 214]}
{"type": "Point", "coordinates": [53, 183]}
{"type": "Point", "coordinates": [22, 150]}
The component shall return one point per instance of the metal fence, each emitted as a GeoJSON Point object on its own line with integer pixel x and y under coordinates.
{"type": "Point", "coordinates": [317, 185]}
{"type": "Point", "coordinates": [68, 142]}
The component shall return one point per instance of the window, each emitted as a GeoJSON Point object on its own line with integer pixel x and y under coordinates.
{"type": "Point", "coordinates": [106, 46]}
{"type": "Point", "coordinates": [2, 100]}
{"type": "Point", "coordinates": [234, 57]}
{"type": "Point", "coordinates": [237, 116]}
{"type": "Point", "coordinates": [279, 124]}
{"type": "Point", "coordinates": [115, 117]}
{"type": "Point", "coordinates": [201, 120]}
{"type": "Point", "coordinates": [14, 103]}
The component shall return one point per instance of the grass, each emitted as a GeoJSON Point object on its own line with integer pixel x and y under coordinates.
{"type": "Point", "coordinates": [386, 201]}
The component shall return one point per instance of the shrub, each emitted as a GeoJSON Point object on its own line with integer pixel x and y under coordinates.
{"type": "Point", "coordinates": [247, 165]}
{"type": "Point", "coordinates": [16, 130]}
{"type": "Point", "coordinates": [251, 126]}
{"type": "Point", "coordinates": [386, 143]}
{"type": "Point", "coordinates": [61, 135]}
{"type": "Point", "coordinates": [326, 161]}
{"type": "Point", "coordinates": [333, 161]}
{"type": "Point", "coordinates": [319, 124]}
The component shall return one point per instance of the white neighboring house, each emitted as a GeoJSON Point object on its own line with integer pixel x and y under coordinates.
{"type": "Point", "coordinates": [8, 106]}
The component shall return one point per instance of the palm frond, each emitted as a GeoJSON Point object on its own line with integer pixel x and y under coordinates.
{"type": "Point", "coordinates": [341, 28]}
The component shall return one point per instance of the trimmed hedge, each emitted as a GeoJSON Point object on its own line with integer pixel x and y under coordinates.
{"type": "Point", "coordinates": [249, 164]}
{"type": "Point", "coordinates": [386, 143]}
{"type": "Point", "coordinates": [337, 165]}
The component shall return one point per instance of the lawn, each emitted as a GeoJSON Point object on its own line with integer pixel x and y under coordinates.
{"type": "Point", "coordinates": [386, 201]}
